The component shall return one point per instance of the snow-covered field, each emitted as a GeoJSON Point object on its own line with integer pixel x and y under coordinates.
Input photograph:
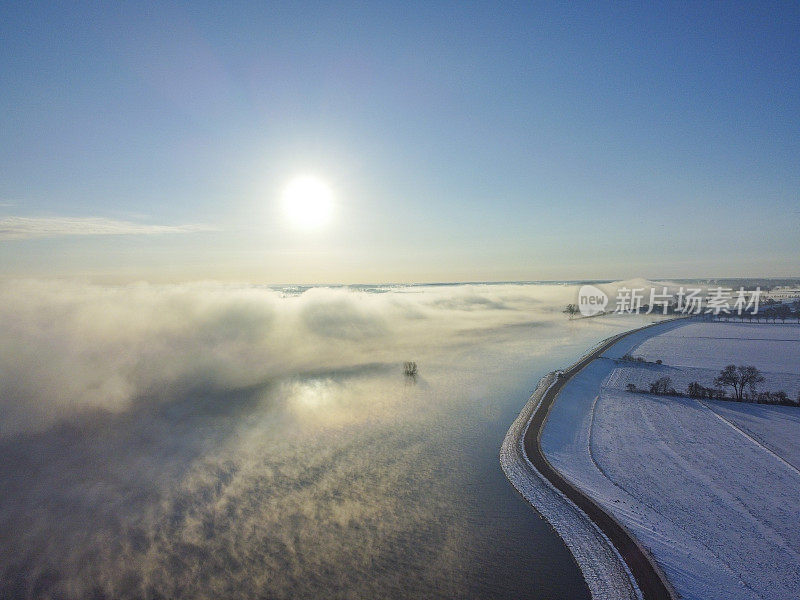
{"type": "Point", "coordinates": [711, 345]}
{"type": "Point", "coordinates": [712, 487]}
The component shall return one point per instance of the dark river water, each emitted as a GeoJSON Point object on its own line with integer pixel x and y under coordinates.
{"type": "Point", "coordinates": [341, 481]}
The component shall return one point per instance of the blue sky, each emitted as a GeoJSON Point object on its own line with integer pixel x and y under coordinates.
{"type": "Point", "coordinates": [461, 141]}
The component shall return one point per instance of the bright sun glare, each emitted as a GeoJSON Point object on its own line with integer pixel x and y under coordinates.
{"type": "Point", "coordinates": [308, 202]}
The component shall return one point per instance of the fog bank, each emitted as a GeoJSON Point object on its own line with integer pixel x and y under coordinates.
{"type": "Point", "coordinates": [211, 440]}
{"type": "Point", "coordinates": [69, 347]}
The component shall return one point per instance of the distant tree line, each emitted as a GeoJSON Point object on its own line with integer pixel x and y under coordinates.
{"type": "Point", "coordinates": [769, 311]}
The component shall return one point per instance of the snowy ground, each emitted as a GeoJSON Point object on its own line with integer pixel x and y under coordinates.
{"type": "Point", "coordinates": [773, 348]}
{"type": "Point", "coordinates": [709, 487]}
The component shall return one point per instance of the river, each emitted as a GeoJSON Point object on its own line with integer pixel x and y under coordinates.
{"type": "Point", "coordinates": [329, 475]}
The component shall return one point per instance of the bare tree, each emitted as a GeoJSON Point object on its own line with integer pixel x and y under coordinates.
{"type": "Point", "coordinates": [571, 310]}
{"type": "Point", "coordinates": [738, 378]}
{"type": "Point", "coordinates": [783, 312]}
{"type": "Point", "coordinates": [728, 377]}
{"type": "Point", "coordinates": [695, 390]}
{"type": "Point", "coordinates": [662, 385]}
{"type": "Point", "coordinates": [751, 377]}
{"type": "Point", "coordinates": [410, 369]}
{"type": "Point", "coordinates": [781, 397]}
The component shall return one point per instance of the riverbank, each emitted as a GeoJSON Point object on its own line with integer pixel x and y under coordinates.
{"type": "Point", "coordinates": [611, 560]}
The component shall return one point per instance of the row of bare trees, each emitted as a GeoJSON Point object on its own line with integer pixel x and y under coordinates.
{"type": "Point", "coordinates": [771, 311]}
{"type": "Point", "coordinates": [742, 380]}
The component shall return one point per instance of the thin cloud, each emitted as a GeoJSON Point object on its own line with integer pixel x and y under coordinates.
{"type": "Point", "coordinates": [21, 228]}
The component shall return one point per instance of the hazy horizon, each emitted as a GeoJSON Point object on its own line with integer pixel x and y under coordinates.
{"type": "Point", "coordinates": [121, 281]}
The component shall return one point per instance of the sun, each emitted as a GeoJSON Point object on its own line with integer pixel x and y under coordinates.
{"type": "Point", "coordinates": [308, 202]}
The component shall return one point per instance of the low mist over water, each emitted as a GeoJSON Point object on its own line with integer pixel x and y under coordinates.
{"type": "Point", "coordinates": [210, 440]}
